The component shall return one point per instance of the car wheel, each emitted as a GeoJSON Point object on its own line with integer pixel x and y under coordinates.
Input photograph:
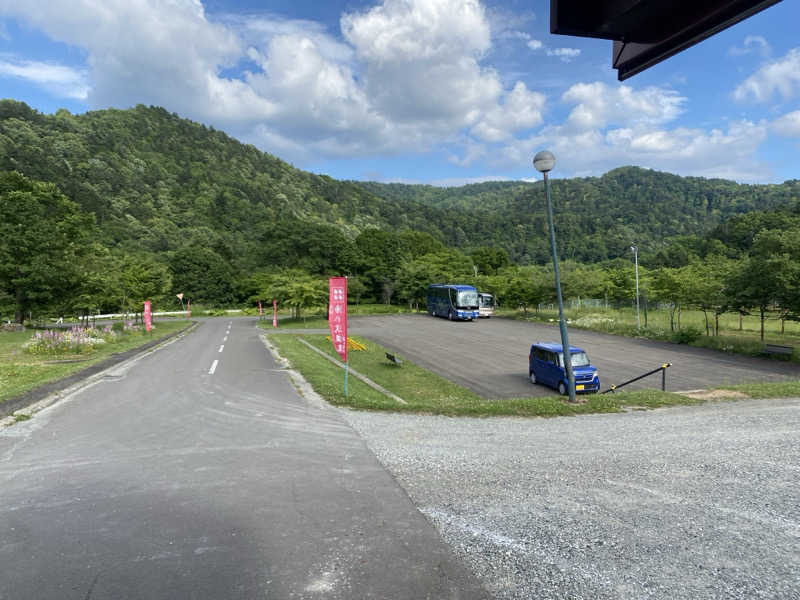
{"type": "Point", "coordinates": [533, 377]}
{"type": "Point", "coordinates": [562, 389]}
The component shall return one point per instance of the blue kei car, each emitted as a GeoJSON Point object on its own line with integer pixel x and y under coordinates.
{"type": "Point", "coordinates": [546, 366]}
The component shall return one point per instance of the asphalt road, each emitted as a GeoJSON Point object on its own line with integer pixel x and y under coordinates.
{"type": "Point", "coordinates": [490, 356]}
{"type": "Point", "coordinates": [197, 471]}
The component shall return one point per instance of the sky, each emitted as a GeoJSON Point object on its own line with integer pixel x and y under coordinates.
{"type": "Point", "coordinates": [443, 92]}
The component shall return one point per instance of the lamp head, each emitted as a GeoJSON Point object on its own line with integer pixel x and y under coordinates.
{"type": "Point", "coordinates": [544, 161]}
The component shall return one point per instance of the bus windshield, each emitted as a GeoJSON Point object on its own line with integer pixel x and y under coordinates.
{"type": "Point", "coordinates": [486, 300]}
{"type": "Point", "coordinates": [467, 298]}
{"type": "Point", "coordinates": [579, 359]}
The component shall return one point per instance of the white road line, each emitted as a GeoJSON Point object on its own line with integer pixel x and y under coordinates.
{"type": "Point", "coordinates": [213, 367]}
{"type": "Point", "coordinates": [225, 339]}
{"type": "Point", "coordinates": [221, 347]}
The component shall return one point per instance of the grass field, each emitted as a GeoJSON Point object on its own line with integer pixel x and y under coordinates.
{"type": "Point", "coordinates": [20, 371]}
{"type": "Point", "coordinates": [427, 393]}
{"type": "Point", "coordinates": [746, 340]}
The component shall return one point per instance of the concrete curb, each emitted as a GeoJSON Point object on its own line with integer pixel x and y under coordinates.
{"type": "Point", "coordinates": [43, 396]}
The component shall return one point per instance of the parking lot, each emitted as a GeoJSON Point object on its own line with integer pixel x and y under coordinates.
{"type": "Point", "coordinates": [490, 356]}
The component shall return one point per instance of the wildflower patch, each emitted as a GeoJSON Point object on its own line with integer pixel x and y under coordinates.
{"type": "Point", "coordinates": [73, 341]}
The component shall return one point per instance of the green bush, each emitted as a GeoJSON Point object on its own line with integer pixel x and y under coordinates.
{"type": "Point", "coordinates": [687, 335]}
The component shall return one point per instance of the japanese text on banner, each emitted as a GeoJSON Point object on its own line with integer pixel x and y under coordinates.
{"type": "Point", "coordinates": [337, 314]}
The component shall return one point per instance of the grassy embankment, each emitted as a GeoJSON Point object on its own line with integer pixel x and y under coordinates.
{"type": "Point", "coordinates": [21, 371]}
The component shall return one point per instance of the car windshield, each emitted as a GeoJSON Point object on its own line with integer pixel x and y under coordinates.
{"type": "Point", "coordinates": [579, 359]}
{"type": "Point", "coordinates": [467, 299]}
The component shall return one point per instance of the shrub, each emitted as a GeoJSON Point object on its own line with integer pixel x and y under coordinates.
{"type": "Point", "coordinates": [687, 335]}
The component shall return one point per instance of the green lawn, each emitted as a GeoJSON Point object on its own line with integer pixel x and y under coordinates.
{"type": "Point", "coordinates": [426, 392]}
{"type": "Point", "coordinates": [20, 371]}
{"type": "Point", "coordinates": [731, 339]}
{"type": "Point", "coordinates": [310, 322]}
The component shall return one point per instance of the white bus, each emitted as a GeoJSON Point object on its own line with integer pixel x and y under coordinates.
{"type": "Point", "coordinates": [485, 305]}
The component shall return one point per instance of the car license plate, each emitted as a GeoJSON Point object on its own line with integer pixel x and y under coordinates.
{"type": "Point", "coordinates": [579, 388]}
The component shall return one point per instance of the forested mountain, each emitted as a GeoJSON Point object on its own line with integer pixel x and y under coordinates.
{"type": "Point", "coordinates": [157, 182]}
{"type": "Point", "coordinates": [598, 217]}
{"type": "Point", "coordinates": [199, 212]}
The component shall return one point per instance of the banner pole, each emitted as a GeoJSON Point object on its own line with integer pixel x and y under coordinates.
{"type": "Point", "coordinates": [346, 365]}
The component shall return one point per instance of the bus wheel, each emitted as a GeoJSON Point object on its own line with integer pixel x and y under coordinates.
{"type": "Point", "coordinates": [562, 389]}
{"type": "Point", "coordinates": [450, 314]}
{"type": "Point", "coordinates": [533, 377]}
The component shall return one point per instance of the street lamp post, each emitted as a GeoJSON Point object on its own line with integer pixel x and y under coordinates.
{"type": "Point", "coordinates": [544, 162]}
{"type": "Point", "coordinates": [635, 251]}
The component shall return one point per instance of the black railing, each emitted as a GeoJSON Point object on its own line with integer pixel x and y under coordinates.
{"type": "Point", "coordinates": [663, 368]}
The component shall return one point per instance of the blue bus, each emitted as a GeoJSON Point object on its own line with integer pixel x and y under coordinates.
{"type": "Point", "coordinates": [453, 301]}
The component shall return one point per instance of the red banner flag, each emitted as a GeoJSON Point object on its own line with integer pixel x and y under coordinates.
{"type": "Point", "coordinates": [274, 312]}
{"type": "Point", "coordinates": [148, 316]}
{"type": "Point", "coordinates": [260, 312]}
{"type": "Point", "coordinates": [337, 314]}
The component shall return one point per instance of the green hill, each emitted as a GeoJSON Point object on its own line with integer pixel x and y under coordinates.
{"type": "Point", "coordinates": [158, 183]}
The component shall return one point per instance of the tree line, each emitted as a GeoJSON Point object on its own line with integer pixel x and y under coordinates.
{"type": "Point", "coordinates": [51, 261]}
{"type": "Point", "coordinates": [104, 209]}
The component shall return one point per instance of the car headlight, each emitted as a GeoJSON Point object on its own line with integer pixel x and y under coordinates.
{"type": "Point", "coordinates": [596, 374]}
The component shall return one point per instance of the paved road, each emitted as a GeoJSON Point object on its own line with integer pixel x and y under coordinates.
{"type": "Point", "coordinates": [198, 472]}
{"type": "Point", "coordinates": [490, 356]}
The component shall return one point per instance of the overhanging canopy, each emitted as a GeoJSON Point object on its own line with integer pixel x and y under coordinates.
{"type": "Point", "coordinates": [645, 32]}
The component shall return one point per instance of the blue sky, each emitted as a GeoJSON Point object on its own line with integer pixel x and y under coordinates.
{"type": "Point", "coordinates": [420, 91]}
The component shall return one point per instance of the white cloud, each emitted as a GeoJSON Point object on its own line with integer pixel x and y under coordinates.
{"type": "Point", "coordinates": [780, 77]}
{"type": "Point", "coordinates": [472, 152]}
{"type": "Point", "coordinates": [409, 78]}
{"type": "Point", "coordinates": [418, 30]}
{"type": "Point", "coordinates": [600, 104]}
{"type": "Point", "coordinates": [161, 52]}
{"type": "Point", "coordinates": [753, 44]}
{"type": "Point", "coordinates": [420, 60]}
{"type": "Point", "coordinates": [627, 127]}
{"type": "Point", "coordinates": [521, 109]}
{"type": "Point", "coordinates": [788, 125]}
{"type": "Point", "coordinates": [60, 80]}
{"type": "Point", "coordinates": [565, 54]}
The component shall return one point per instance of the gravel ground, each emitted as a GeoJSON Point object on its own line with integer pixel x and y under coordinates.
{"type": "Point", "coordinates": [681, 503]}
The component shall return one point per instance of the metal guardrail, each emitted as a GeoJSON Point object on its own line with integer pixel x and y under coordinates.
{"type": "Point", "coordinates": [663, 368]}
